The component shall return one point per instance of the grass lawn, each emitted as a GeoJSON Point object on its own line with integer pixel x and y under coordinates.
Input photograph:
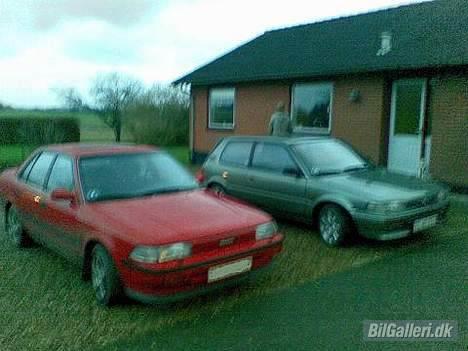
{"type": "Point", "coordinates": [45, 305]}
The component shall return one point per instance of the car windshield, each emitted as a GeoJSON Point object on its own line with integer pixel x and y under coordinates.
{"type": "Point", "coordinates": [132, 175]}
{"type": "Point", "coordinates": [329, 157]}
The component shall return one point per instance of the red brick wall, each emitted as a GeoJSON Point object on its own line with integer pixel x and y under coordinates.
{"type": "Point", "coordinates": [254, 105]}
{"type": "Point", "coordinates": [448, 106]}
{"type": "Point", "coordinates": [362, 123]}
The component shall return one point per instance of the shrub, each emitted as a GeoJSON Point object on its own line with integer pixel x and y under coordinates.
{"type": "Point", "coordinates": [159, 117]}
{"type": "Point", "coordinates": [39, 131]}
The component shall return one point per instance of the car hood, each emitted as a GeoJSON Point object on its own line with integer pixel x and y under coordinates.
{"type": "Point", "coordinates": [380, 185]}
{"type": "Point", "coordinates": [173, 217]}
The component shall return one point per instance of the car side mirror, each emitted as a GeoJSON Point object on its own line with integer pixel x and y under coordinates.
{"type": "Point", "coordinates": [292, 171]}
{"type": "Point", "coordinates": [63, 194]}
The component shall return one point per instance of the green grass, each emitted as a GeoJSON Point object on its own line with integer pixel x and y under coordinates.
{"type": "Point", "coordinates": [92, 128]}
{"type": "Point", "coordinates": [45, 305]}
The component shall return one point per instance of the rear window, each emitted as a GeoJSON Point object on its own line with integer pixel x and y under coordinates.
{"type": "Point", "coordinates": [237, 153]}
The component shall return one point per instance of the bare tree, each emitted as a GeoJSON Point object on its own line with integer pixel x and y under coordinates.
{"type": "Point", "coordinates": [112, 93]}
{"type": "Point", "coordinates": [71, 99]}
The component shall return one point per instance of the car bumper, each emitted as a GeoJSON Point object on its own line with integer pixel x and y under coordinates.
{"type": "Point", "coordinates": [201, 290]}
{"type": "Point", "coordinates": [397, 226]}
{"type": "Point", "coordinates": [170, 285]}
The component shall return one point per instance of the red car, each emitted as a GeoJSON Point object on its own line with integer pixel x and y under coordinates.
{"type": "Point", "coordinates": [135, 221]}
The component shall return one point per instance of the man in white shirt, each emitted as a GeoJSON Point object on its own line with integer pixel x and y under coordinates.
{"type": "Point", "coordinates": [280, 124]}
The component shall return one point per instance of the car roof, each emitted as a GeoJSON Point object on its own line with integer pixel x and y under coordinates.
{"type": "Point", "coordinates": [85, 149]}
{"type": "Point", "coordinates": [280, 140]}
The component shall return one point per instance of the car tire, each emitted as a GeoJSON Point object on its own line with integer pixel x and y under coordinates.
{"type": "Point", "coordinates": [14, 229]}
{"type": "Point", "coordinates": [217, 189]}
{"type": "Point", "coordinates": [104, 277]}
{"type": "Point", "coordinates": [334, 225]}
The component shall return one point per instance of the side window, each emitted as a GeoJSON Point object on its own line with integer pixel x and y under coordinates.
{"type": "Point", "coordinates": [61, 175]}
{"type": "Point", "coordinates": [39, 170]}
{"type": "Point", "coordinates": [25, 172]}
{"type": "Point", "coordinates": [272, 158]}
{"type": "Point", "coordinates": [237, 153]}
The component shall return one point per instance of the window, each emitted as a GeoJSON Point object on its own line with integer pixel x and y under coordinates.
{"type": "Point", "coordinates": [408, 107]}
{"type": "Point", "coordinates": [61, 175]}
{"type": "Point", "coordinates": [311, 106]}
{"type": "Point", "coordinates": [41, 167]}
{"type": "Point", "coordinates": [132, 175]}
{"type": "Point", "coordinates": [328, 156]}
{"type": "Point", "coordinates": [27, 169]}
{"type": "Point", "coordinates": [221, 109]}
{"type": "Point", "coordinates": [237, 153]}
{"type": "Point", "coordinates": [272, 157]}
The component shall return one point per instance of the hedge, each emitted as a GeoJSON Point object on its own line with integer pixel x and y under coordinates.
{"type": "Point", "coordinates": [39, 131]}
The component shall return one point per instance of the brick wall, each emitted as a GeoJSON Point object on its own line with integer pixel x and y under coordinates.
{"type": "Point", "coordinates": [362, 123]}
{"type": "Point", "coordinates": [448, 107]}
{"type": "Point", "coordinates": [253, 108]}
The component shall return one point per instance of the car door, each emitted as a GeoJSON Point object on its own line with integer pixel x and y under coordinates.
{"type": "Point", "coordinates": [233, 167]}
{"type": "Point", "coordinates": [60, 216]}
{"type": "Point", "coordinates": [276, 182]}
{"type": "Point", "coordinates": [31, 194]}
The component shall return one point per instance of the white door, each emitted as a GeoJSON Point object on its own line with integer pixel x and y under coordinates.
{"type": "Point", "coordinates": [406, 128]}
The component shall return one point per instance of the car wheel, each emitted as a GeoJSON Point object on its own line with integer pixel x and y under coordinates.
{"type": "Point", "coordinates": [104, 277]}
{"type": "Point", "coordinates": [14, 229]}
{"type": "Point", "coordinates": [217, 189]}
{"type": "Point", "coordinates": [333, 224]}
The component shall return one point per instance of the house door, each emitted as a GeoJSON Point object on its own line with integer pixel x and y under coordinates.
{"type": "Point", "coordinates": [407, 129]}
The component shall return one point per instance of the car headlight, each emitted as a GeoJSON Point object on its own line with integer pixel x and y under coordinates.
{"type": "Point", "coordinates": [265, 230]}
{"type": "Point", "coordinates": [442, 195]}
{"type": "Point", "coordinates": [160, 254]}
{"type": "Point", "coordinates": [382, 207]}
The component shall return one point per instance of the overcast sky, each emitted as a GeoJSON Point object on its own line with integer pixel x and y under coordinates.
{"type": "Point", "coordinates": [47, 44]}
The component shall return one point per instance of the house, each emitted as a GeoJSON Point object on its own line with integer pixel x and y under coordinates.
{"type": "Point", "coordinates": [392, 83]}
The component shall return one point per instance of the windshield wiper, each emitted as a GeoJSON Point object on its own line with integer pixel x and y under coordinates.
{"type": "Point", "coordinates": [112, 197]}
{"type": "Point", "coordinates": [165, 191]}
{"type": "Point", "coordinates": [328, 171]}
{"type": "Point", "coordinates": [355, 168]}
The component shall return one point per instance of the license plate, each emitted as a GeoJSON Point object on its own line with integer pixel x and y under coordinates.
{"type": "Point", "coordinates": [424, 223]}
{"type": "Point", "coordinates": [229, 269]}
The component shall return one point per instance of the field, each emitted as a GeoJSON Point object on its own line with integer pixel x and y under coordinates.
{"type": "Point", "coordinates": [45, 305]}
{"type": "Point", "coordinates": [93, 130]}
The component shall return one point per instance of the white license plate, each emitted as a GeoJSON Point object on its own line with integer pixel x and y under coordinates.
{"type": "Point", "coordinates": [229, 269]}
{"type": "Point", "coordinates": [424, 223]}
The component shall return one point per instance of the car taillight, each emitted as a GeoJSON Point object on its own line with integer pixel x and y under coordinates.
{"type": "Point", "coordinates": [200, 176]}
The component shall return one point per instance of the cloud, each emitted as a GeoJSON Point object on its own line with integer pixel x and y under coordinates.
{"type": "Point", "coordinates": [98, 42]}
{"type": "Point", "coordinates": [122, 13]}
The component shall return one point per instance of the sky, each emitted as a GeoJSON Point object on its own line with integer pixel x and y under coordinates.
{"type": "Point", "coordinates": [47, 45]}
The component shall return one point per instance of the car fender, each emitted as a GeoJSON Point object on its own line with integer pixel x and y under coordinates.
{"type": "Point", "coordinates": [334, 199]}
{"type": "Point", "coordinates": [218, 180]}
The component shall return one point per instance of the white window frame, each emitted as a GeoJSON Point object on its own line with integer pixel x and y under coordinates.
{"type": "Point", "coordinates": [225, 126]}
{"type": "Point", "coordinates": [330, 113]}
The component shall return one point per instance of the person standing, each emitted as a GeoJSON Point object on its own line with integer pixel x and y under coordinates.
{"type": "Point", "coordinates": [280, 124]}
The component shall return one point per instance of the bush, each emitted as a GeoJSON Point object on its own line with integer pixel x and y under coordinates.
{"type": "Point", "coordinates": [38, 131]}
{"type": "Point", "coordinates": [159, 117]}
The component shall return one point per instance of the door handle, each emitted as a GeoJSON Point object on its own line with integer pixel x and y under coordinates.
{"type": "Point", "coordinates": [37, 199]}
{"type": "Point", "coordinates": [225, 175]}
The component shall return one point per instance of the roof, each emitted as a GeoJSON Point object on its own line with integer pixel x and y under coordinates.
{"type": "Point", "coordinates": [277, 139]}
{"type": "Point", "coordinates": [78, 149]}
{"type": "Point", "coordinates": [424, 35]}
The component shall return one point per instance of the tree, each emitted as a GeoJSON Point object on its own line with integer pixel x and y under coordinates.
{"type": "Point", "coordinates": [159, 116]}
{"type": "Point", "coordinates": [112, 94]}
{"type": "Point", "coordinates": [71, 99]}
